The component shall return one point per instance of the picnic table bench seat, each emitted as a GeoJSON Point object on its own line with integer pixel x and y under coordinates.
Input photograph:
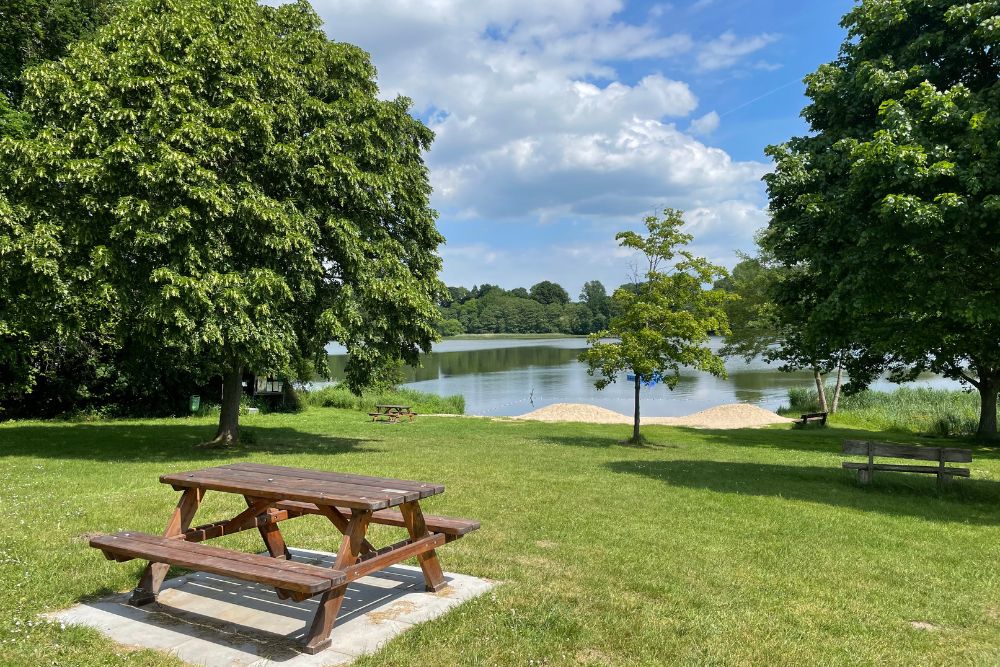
{"type": "Point", "coordinates": [451, 527]}
{"type": "Point", "coordinates": [873, 449]}
{"type": "Point", "coordinates": [301, 580]}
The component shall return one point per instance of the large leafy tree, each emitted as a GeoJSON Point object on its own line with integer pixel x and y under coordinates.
{"type": "Point", "coordinates": [889, 208]}
{"type": "Point", "coordinates": [218, 179]}
{"type": "Point", "coordinates": [663, 323]}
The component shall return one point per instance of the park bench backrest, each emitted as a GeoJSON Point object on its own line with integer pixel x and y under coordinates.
{"type": "Point", "coordinates": [915, 452]}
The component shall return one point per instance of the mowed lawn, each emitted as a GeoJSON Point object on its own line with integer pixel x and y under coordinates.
{"type": "Point", "coordinates": [744, 547]}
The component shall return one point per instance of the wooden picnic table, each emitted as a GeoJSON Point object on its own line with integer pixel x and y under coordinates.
{"type": "Point", "coordinates": [274, 494]}
{"type": "Point", "coordinates": [392, 413]}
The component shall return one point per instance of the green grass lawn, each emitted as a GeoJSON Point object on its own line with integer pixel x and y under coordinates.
{"type": "Point", "coordinates": [706, 547]}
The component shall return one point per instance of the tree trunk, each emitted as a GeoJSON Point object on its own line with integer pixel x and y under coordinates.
{"type": "Point", "coordinates": [635, 422]}
{"type": "Point", "coordinates": [836, 387]}
{"type": "Point", "coordinates": [229, 414]}
{"type": "Point", "coordinates": [820, 390]}
{"type": "Point", "coordinates": [989, 385]}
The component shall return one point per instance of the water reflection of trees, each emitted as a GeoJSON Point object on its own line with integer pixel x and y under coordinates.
{"type": "Point", "coordinates": [472, 362]}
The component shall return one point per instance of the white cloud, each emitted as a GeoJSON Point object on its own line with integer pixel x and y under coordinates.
{"type": "Point", "coordinates": [719, 230]}
{"type": "Point", "coordinates": [535, 124]}
{"type": "Point", "coordinates": [705, 125]}
{"type": "Point", "coordinates": [728, 49]}
{"type": "Point", "coordinates": [479, 253]}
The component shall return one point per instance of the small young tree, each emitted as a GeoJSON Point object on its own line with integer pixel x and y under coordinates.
{"type": "Point", "coordinates": [663, 322]}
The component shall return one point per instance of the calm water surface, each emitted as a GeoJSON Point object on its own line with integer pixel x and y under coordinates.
{"type": "Point", "coordinates": [514, 376]}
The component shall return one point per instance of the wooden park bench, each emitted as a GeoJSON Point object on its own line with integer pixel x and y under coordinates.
{"type": "Point", "coordinates": [811, 416]}
{"type": "Point", "coordinates": [392, 413]}
{"type": "Point", "coordinates": [274, 494]}
{"type": "Point", "coordinates": [873, 449]}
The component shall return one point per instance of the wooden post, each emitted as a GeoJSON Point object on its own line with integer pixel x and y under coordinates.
{"type": "Point", "coordinates": [271, 534]}
{"type": "Point", "coordinates": [941, 470]}
{"type": "Point", "coordinates": [318, 637]}
{"type": "Point", "coordinates": [342, 524]}
{"type": "Point", "coordinates": [866, 478]}
{"type": "Point", "coordinates": [413, 517]}
{"type": "Point", "coordinates": [180, 520]}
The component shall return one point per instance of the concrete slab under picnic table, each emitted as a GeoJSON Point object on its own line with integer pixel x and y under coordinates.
{"type": "Point", "coordinates": [211, 620]}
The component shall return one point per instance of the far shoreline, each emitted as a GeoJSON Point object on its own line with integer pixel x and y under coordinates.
{"type": "Point", "coordinates": [511, 336]}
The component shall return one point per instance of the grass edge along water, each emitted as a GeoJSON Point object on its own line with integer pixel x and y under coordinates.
{"type": "Point", "coordinates": [921, 410]}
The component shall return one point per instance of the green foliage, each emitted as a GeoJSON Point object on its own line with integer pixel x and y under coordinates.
{"type": "Point", "coordinates": [665, 322]}
{"type": "Point", "coordinates": [217, 180]}
{"type": "Point", "coordinates": [13, 123]}
{"type": "Point", "coordinates": [885, 214]}
{"type": "Point", "coordinates": [547, 292]}
{"type": "Point", "coordinates": [32, 31]}
{"type": "Point", "coordinates": [491, 309]}
{"type": "Point", "coordinates": [339, 396]}
{"type": "Point", "coordinates": [932, 412]}
{"type": "Point", "coordinates": [753, 320]}
{"type": "Point", "coordinates": [450, 327]}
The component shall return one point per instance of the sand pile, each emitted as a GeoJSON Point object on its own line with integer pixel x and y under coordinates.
{"type": "Point", "coordinates": [734, 415]}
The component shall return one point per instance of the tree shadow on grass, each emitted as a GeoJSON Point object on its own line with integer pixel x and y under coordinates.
{"type": "Point", "coordinates": [130, 442]}
{"type": "Point", "coordinates": [963, 501]}
{"type": "Point", "coordinates": [602, 442]}
{"type": "Point", "coordinates": [819, 440]}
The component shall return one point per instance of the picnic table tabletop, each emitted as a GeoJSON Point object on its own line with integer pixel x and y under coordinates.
{"type": "Point", "coordinates": [393, 407]}
{"type": "Point", "coordinates": [304, 485]}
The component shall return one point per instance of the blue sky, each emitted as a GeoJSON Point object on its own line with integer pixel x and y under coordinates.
{"type": "Point", "coordinates": [560, 123]}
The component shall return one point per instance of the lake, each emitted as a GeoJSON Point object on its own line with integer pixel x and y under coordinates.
{"type": "Point", "coordinates": [505, 376]}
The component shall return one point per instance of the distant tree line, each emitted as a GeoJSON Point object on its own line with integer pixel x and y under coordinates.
{"type": "Point", "coordinates": [543, 308]}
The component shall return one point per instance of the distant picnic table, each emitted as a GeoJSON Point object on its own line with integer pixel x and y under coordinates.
{"type": "Point", "coordinates": [274, 494]}
{"type": "Point", "coordinates": [392, 413]}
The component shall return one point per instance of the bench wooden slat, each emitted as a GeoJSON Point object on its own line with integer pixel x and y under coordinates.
{"type": "Point", "coordinates": [892, 467]}
{"type": "Point", "coordinates": [285, 479]}
{"type": "Point", "coordinates": [914, 452]}
{"type": "Point", "coordinates": [299, 577]}
{"type": "Point", "coordinates": [425, 489]}
{"type": "Point", "coordinates": [197, 549]}
{"type": "Point", "coordinates": [259, 487]}
{"type": "Point", "coordinates": [253, 559]}
{"type": "Point", "coordinates": [391, 517]}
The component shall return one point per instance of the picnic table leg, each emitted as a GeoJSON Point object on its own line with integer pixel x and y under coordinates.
{"type": "Point", "coordinates": [343, 523]}
{"type": "Point", "coordinates": [413, 517]}
{"type": "Point", "coordinates": [271, 534]}
{"type": "Point", "coordinates": [351, 546]}
{"type": "Point", "coordinates": [153, 575]}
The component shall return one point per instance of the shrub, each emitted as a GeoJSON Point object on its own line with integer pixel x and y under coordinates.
{"type": "Point", "coordinates": [936, 412]}
{"type": "Point", "coordinates": [339, 396]}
